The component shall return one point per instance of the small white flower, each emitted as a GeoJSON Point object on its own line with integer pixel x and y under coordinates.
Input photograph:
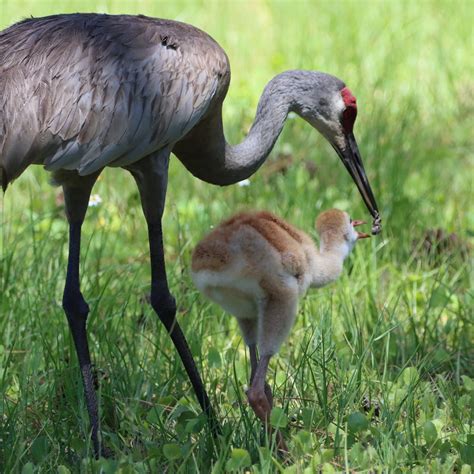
{"type": "Point", "coordinates": [244, 182]}
{"type": "Point", "coordinates": [94, 200]}
{"type": "Point", "coordinates": [292, 116]}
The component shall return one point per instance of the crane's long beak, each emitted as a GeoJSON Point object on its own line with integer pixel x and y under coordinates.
{"type": "Point", "coordinates": [350, 156]}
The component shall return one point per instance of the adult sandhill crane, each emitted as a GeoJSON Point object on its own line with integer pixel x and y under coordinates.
{"type": "Point", "coordinates": [257, 266]}
{"type": "Point", "coordinates": [84, 91]}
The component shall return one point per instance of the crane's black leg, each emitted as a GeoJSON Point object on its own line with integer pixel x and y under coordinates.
{"type": "Point", "coordinates": [165, 307]}
{"type": "Point", "coordinates": [76, 193]}
{"type": "Point", "coordinates": [151, 175]}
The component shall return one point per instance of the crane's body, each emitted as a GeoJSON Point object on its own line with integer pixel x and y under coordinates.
{"type": "Point", "coordinates": [82, 92]}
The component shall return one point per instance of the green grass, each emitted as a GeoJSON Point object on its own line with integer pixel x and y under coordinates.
{"type": "Point", "coordinates": [378, 371]}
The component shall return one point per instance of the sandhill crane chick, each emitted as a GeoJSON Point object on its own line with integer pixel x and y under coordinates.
{"type": "Point", "coordinates": [256, 266]}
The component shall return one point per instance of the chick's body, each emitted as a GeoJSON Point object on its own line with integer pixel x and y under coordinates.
{"type": "Point", "coordinates": [256, 259]}
{"type": "Point", "coordinates": [256, 266]}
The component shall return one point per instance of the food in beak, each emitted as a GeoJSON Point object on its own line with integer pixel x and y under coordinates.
{"type": "Point", "coordinates": [376, 225]}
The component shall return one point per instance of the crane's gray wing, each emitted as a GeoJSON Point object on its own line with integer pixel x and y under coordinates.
{"type": "Point", "coordinates": [98, 90]}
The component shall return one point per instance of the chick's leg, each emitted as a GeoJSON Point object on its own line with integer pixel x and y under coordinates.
{"type": "Point", "coordinates": [253, 365]}
{"type": "Point", "coordinates": [275, 321]}
{"type": "Point", "coordinates": [256, 394]}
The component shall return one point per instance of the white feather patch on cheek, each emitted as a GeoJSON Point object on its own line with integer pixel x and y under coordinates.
{"type": "Point", "coordinates": [338, 106]}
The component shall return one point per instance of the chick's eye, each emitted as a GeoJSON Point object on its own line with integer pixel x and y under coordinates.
{"type": "Point", "coordinates": [350, 221]}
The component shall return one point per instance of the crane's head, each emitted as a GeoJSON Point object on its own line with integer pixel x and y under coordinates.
{"type": "Point", "coordinates": [329, 106]}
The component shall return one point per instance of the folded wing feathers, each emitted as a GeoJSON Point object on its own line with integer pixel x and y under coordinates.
{"type": "Point", "coordinates": [103, 101]}
{"type": "Point", "coordinates": [20, 120]}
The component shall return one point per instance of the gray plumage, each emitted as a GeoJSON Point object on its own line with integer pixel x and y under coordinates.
{"type": "Point", "coordinates": [80, 92]}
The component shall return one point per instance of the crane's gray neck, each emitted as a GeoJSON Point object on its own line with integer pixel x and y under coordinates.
{"type": "Point", "coordinates": [209, 157]}
{"type": "Point", "coordinates": [244, 159]}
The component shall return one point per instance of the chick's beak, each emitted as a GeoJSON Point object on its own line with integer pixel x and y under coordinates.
{"type": "Point", "coordinates": [360, 235]}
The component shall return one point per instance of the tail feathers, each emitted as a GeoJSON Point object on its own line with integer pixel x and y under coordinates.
{"type": "Point", "coordinates": [3, 178]}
